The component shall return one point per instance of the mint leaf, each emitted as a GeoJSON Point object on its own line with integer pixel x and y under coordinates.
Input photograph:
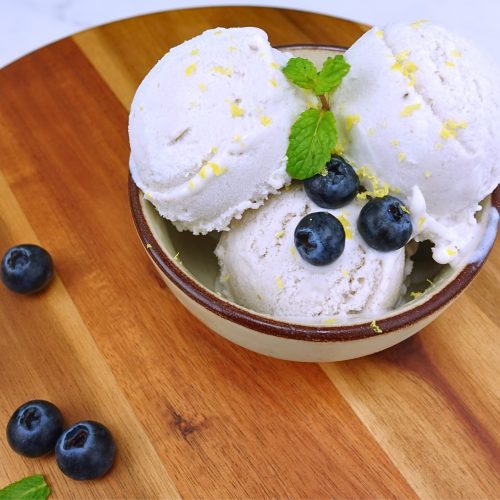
{"type": "Point", "coordinates": [312, 138]}
{"type": "Point", "coordinates": [29, 488]}
{"type": "Point", "coordinates": [302, 72]}
{"type": "Point", "coordinates": [331, 74]}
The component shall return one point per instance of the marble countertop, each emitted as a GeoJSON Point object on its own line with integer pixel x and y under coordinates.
{"type": "Point", "coordinates": [26, 25]}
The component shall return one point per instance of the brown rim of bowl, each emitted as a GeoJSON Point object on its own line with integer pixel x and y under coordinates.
{"type": "Point", "coordinates": [264, 324]}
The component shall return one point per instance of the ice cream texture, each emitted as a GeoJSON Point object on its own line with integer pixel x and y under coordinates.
{"type": "Point", "coordinates": [418, 117]}
{"type": "Point", "coordinates": [262, 270]}
{"type": "Point", "coordinates": [209, 128]}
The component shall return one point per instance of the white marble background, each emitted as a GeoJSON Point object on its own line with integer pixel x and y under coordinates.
{"type": "Point", "coordinates": [26, 25]}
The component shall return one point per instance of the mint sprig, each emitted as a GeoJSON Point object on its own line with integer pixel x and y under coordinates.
{"type": "Point", "coordinates": [30, 488]}
{"type": "Point", "coordinates": [313, 136]}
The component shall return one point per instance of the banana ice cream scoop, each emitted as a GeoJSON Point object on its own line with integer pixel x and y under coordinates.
{"type": "Point", "coordinates": [418, 117]}
{"type": "Point", "coordinates": [209, 128]}
{"type": "Point", "coordinates": [261, 269]}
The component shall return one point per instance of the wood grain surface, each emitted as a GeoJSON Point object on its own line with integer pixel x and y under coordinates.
{"type": "Point", "coordinates": [193, 415]}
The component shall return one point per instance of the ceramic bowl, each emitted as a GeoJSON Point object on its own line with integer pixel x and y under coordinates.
{"type": "Point", "coordinates": [192, 277]}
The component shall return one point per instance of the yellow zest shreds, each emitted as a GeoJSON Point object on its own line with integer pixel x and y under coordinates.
{"type": "Point", "coordinates": [226, 277]}
{"type": "Point", "coordinates": [148, 245]}
{"type": "Point", "coordinates": [417, 24]}
{"type": "Point", "coordinates": [274, 65]}
{"type": "Point", "coordinates": [408, 110]}
{"type": "Point", "coordinates": [438, 146]}
{"type": "Point", "coordinates": [346, 225]}
{"type": "Point", "coordinates": [427, 174]}
{"type": "Point", "coordinates": [193, 104]}
{"type": "Point", "coordinates": [279, 282]}
{"type": "Point", "coordinates": [404, 208]}
{"type": "Point", "coordinates": [402, 56]}
{"type": "Point", "coordinates": [218, 32]}
{"type": "Point", "coordinates": [339, 148]}
{"type": "Point", "coordinates": [378, 190]}
{"type": "Point", "coordinates": [401, 156]}
{"type": "Point", "coordinates": [279, 234]}
{"type": "Point", "coordinates": [431, 283]}
{"type": "Point", "coordinates": [191, 184]}
{"type": "Point", "coordinates": [293, 251]}
{"type": "Point", "coordinates": [214, 150]}
{"type": "Point", "coordinates": [190, 69]}
{"type": "Point", "coordinates": [203, 172]}
{"type": "Point", "coordinates": [223, 71]}
{"type": "Point", "coordinates": [216, 168]}
{"type": "Point", "coordinates": [455, 53]}
{"type": "Point", "coordinates": [273, 82]}
{"type": "Point", "coordinates": [236, 111]}
{"type": "Point", "coordinates": [236, 138]}
{"type": "Point", "coordinates": [395, 143]}
{"type": "Point", "coordinates": [232, 48]}
{"type": "Point", "coordinates": [259, 297]}
{"type": "Point", "coordinates": [345, 273]}
{"type": "Point", "coordinates": [148, 195]}
{"type": "Point", "coordinates": [176, 256]}
{"type": "Point", "coordinates": [450, 128]}
{"type": "Point", "coordinates": [407, 68]}
{"type": "Point", "coordinates": [421, 222]}
{"type": "Point", "coordinates": [415, 295]}
{"type": "Point", "coordinates": [350, 121]}
{"type": "Point", "coordinates": [265, 120]}
{"type": "Point", "coordinates": [323, 172]}
{"type": "Point", "coordinates": [371, 131]}
{"type": "Point", "coordinates": [330, 321]}
{"type": "Point", "coordinates": [375, 327]}
{"type": "Point", "coordinates": [379, 33]}
{"type": "Point", "coordinates": [195, 52]}
{"type": "Point", "coordinates": [451, 252]}
{"type": "Point", "coordinates": [450, 64]}
{"type": "Point", "coordinates": [202, 87]}
{"type": "Point", "coordinates": [141, 108]}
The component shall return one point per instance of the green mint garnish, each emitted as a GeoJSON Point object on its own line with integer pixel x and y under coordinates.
{"type": "Point", "coordinates": [29, 488]}
{"type": "Point", "coordinates": [312, 138]}
{"type": "Point", "coordinates": [314, 134]}
{"type": "Point", "coordinates": [331, 74]}
{"type": "Point", "coordinates": [302, 72]}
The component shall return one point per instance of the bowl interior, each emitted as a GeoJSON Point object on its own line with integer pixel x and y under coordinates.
{"type": "Point", "coordinates": [195, 256]}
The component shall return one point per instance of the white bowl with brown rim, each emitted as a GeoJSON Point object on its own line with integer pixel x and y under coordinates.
{"type": "Point", "coordinates": [192, 280]}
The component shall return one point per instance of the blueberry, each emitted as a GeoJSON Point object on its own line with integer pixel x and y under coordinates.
{"type": "Point", "coordinates": [385, 224]}
{"type": "Point", "coordinates": [85, 450]}
{"type": "Point", "coordinates": [335, 189]}
{"type": "Point", "coordinates": [26, 268]}
{"type": "Point", "coordinates": [319, 238]}
{"type": "Point", "coordinates": [34, 428]}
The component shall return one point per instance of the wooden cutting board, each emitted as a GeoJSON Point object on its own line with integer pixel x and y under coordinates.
{"type": "Point", "coordinates": [193, 415]}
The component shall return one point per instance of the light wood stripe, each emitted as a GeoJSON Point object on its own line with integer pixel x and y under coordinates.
{"type": "Point", "coordinates": [81, 383]}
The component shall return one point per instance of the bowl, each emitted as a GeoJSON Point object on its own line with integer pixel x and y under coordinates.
{"type": "Point", "coordinates": [189, 267]}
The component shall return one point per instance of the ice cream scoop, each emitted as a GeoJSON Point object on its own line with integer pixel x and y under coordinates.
{"type": "Point", "coordinates": [209, 128]}
{"type": "Point", "coordinates": [418, 116]}
{"type": "Point", "coordinates": [262, 270]}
